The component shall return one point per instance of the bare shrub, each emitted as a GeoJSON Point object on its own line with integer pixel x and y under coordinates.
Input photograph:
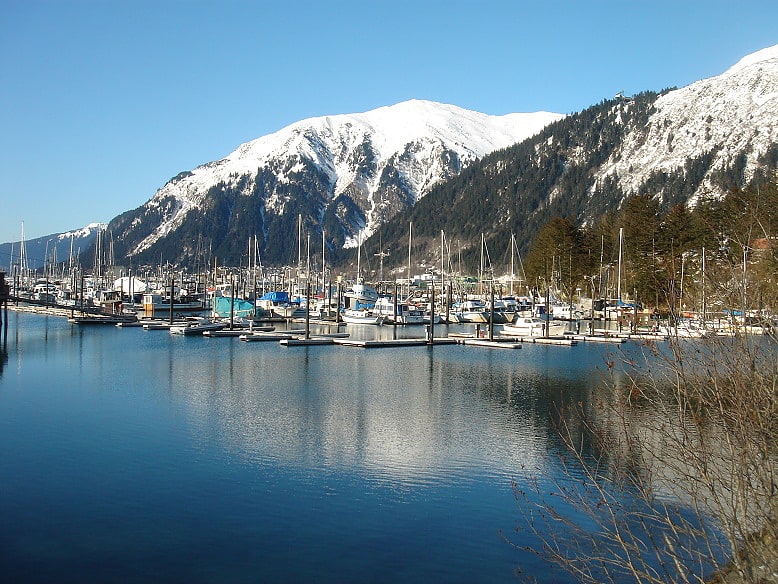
{"type": "Point", "coordinates": [669, 471]}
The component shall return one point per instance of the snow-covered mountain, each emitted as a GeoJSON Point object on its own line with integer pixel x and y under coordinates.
{"type": "Point", "coordinates": [677, 146]}
{"type": "Point", "coordinates": [49, 249]}
{"type": "Point", "coordinates": [346, 172]}
{"type": "Point", "coordinates": [727, 117]}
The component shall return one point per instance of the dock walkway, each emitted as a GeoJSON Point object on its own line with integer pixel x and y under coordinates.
{"type": "Point", "coordinates": [378, 343]}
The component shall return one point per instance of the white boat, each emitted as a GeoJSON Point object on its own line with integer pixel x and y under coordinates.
{"type": "Point", "coordinates": [197, 327]}
{"type": "Point", "coordinates": [527, 326]}
{"type": "Point", "coordinates": [471, 311]}
{"type": "Point", "coordinates": [687, 329]}
{"type": "Point", "coordinates": [405, 314]}
{"type": "Point", "coordinates": [566, 312]}
{"type": "Point", "coordinates": [500, 316]}
{"type": "Point", "coordinates": [361, 316]}
{"type": "Point", "coordinates": [361, 294]}
{"type": "Point", "coordinates": [280, 305]}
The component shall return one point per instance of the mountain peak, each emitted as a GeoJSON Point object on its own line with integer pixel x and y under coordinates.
{"type": "Point", "coordinates": [369, 165]}
{"type": "Point", "coordinates": [766, 54]}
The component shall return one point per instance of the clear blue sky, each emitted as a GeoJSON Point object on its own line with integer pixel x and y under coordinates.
{"type": "Point", "coordinates": [102, 101]}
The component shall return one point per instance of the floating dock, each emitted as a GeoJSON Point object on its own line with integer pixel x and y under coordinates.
{"type": "Point", "coordinates": [567, 341]}
{"type": "Point", "coordinates": [375, 344]}
{"type": "Point", "coordinates": [100, 319]}
{"type": "Point", "coordinates": [225, 333]}
{"type": "Point", "coordinates": [598, 339]}
{"type": "Point", "coordinates": [266, 337]}
{"type": "Point", "coordinates": [162, 326]}
{"type": "Point", "coordinates": [307, 342]}
{"type": "Point", "coordinates": [237, 332]}
{"type": "Point", "coordinates": [496, 344]}
{"type": "Point", "coordinates": [644, 335]}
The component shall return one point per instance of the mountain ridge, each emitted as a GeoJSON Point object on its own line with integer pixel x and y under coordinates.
{"type": "Point", "coordinates": [677, 146]}
{"type": "Point", "coordinates": [350, 172]}
{"type": "Point", "coordinates": [462, 171]}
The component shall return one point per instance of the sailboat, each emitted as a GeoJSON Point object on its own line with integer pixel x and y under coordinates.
{"type": "Point", "coordinates": [360, 299]}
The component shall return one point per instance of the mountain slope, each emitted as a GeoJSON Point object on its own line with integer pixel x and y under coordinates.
{"type": "Point", "coordinates": [348, 173]}
{"type": "Point", "coordinates": [54, 248]}
{"type": "Point", "coordinates": [728, 116]}
{"type": "Point", "coordinates": [698, 141]}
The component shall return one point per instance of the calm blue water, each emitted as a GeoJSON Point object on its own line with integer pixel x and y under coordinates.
{"type": "Point", "coordinates": [136, 456]}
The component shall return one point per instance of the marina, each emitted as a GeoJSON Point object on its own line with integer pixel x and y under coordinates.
{"type": "Point", "coordinates": [190, 453]}
{"type": "Point", "coordinates": [215, 449]}
{"type": "Point", "coordinates": [470, 334]}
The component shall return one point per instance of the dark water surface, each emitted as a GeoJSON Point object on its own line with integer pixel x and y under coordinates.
{"type": "Point", "coordinates": [137, 456]}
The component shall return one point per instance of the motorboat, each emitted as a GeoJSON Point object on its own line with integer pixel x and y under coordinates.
{"type": "Point", "coordinates": [404, 313]}
{"type": "Point", "coordinates": [361, 316]}
{"type": "Point", "coordinates": [528, 326]}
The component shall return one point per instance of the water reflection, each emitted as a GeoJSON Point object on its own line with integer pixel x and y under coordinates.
{"type": "Point", "coordinates": [411, 415]}
{"type": "Point", "coordinates": [255, 439]}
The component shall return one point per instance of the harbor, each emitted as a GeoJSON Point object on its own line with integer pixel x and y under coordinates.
{"type": "Point", "coordinates": [393, 434]}
{"type": "Point", "coordinates": [471, 335]}
{"type": "Point", "coordinates": [252, 426]}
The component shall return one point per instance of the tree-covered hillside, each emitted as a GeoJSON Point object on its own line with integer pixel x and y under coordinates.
{"type": "Point", "coordinates": [517, 191]}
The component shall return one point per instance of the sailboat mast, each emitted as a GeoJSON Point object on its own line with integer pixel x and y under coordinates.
{"type": "Point", "coordinates": [23, 268]}
{"type": "Point", "coordinates": [481, 268]}
{"type": "Point", "coordinates": [602, 254]}
{"type": "Point", "coordinates": [442, 267]}
{"type": "Point", "coordinates": [359, 255]}
{"type": "Point", "coordinates": [618, 285]}
{"type": "Point", "coordinates": [704, 307]}
{"type": "Point", "coordinates": [308, 256]}
{"type": "Point", "coordinates": [410, 239]}
{"type": "Point", "coordinates": [513, 243]}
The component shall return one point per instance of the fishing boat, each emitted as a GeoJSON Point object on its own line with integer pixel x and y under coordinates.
{"type": "Point", "coordinates": [404, 313]}
{"type": "Point", "coordinates": [324, 308]}
{"type": "Point", "coordinates": [471, 311]}
{"type": "Point", "coordinates": [528, 326]}
{"type": "Point", "coordinates": [361, 293]}
{"type": "Point", "coordinates": [280, 305]}
{"type": "Point", "coordinates": [155, 302]}
{"type": "Point", "coordinates": [566, 312]}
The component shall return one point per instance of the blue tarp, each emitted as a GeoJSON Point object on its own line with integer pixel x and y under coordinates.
{"type": "Point", "coordinates": [277, 297]}
{"type": "Point", "coordinates": [222, 306]}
